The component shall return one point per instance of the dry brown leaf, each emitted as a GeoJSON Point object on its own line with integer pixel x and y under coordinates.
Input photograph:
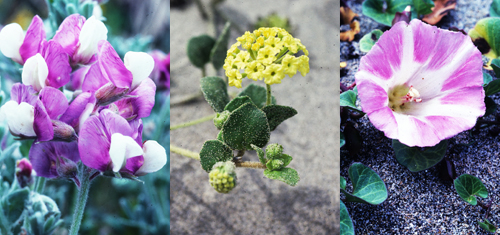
{"type": "Point", "coordinates": [349, 35]}
{"type": "Point", "coordinates": [346, 15]}
{"type": "Point", "coordinates": [440, 9]}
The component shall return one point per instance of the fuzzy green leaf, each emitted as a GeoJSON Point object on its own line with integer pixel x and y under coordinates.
{"type": "Point", "coordinates": [468, 187]}
{"type": "Point", "coordinates": [237, 102]}
{"type": "Point", "coordinates": [276, 114]}
{"type": "Point", "coordinates": [375, 9]}
{"type": "Point", "coordinates": [488, 226]}
{"type": "Point", "coordinates": [260, 153]}
{"type": "Point", "coordinates": [14, 203]}
{"type": "Point", "coordinates": [214, 151]}
{"type": "Point", "coordinates": [218, 53]}
{"type": "Point", "coordinates": [287, 175]}
{"type": "Point", "coordinates": [367, 186]}
{"type": "Point", "coordinates": [257, 94]}
{"type": "Point", "coordinates": [198, 50]}
{"type": "Point", "coordinates": [348, 99]}
{"type": "Point", "coordinates": [418, 159]}
{"type": "Point", "coordinates": [245, 126]}
{"type": "Point", "coordinates": [214, 90]}
{"type": "Point", "coordinates": [486, 36]}
{"type": "Point", "coordinates": [346, 226]}
{"type": "Point", "coordinates": [366, 43]}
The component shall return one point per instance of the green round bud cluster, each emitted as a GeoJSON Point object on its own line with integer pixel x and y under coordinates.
{"type": "Point", "coordinates": [223, 176]}
{"type": "Point", "coordinates": [274, 151]}
{"type": "Point", "coordinates": [220, 119]}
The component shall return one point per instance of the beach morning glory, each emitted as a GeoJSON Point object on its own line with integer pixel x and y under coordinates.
{"type": "Point", "coordinates": [421, 84]}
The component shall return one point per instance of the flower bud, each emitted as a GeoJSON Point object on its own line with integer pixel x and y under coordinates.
{"type": "Point", "coordinates": [109, 93]}
{"type": "Point", "coordinates": [63, 132]}
{"type": "Point", "coordinates": [403, 16]}
{"type": "Point", "coordinates": [23, 172]}
{"type": "Point", "coordinates": [223, 176]}
{"type": "Point", "coordinates": [220, 119]}
{"type": "Point", "coordinates": [66, 168]}
{"type": "Point", "coordinates": [274, 151]}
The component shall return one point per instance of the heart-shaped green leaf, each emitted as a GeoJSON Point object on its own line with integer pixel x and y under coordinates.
{"type": "Point", "coordinates": [348, 99]}
{"type": "Point", "coordinates": [491, 105]}
{"type": "Point", "coordinates": [260, 153]}
{"type": "Point", "coordinates": [245, 126]}
{"type": "Point", "coordinates": [495, 8]}
{"type": "Point", "coordinates": [287, 175]}
{"type": "Point", "coordinates": [421, 8]}
{"type": "Point", "coordinates": [14, 203]}
{"type": "Point", "coordinates": [495, 64]}
{"type": "Point", "coordinates": [417, 158]}
{"type": "Point", "coordinates": [342, 139]}
{"type": "Point", "coordinates": [493, 87]}
{"type": "Point", "coordinates": [367, 186]}
{"type": "Point", "coordinates": [257, 94]}
{"type": "Point", "coordinates": [468, 187]}
{"type": "Point", "coordinates": [487, 78]}
{"type": "Point", "coordinates": [486, 36]}
{"type": "Point", "coordinates": [488, 226]}
{"type": "Point", "coordinates": [383, 11]}
{"type": "Point", "coordinates": [214, 151]}
{"type": "Point", "coordinates": [218, 53]}
{"type": "Point", "coordinates": [276, 114]}
{"type": "Point", "coordinates": [214, 90]}
{"type": "Point", "coordinates": [346, 226]}
{"type": "Point", "coordinates": [366, 43]}
{"type": "Point", "coordinates": [342, 182]}
{"type": "Point", "coordinates": [198, 50]}
{"type": "Point", "coordinates": [237, 102]}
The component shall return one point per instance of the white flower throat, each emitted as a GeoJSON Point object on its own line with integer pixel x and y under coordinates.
{"type": "Point", "coordinates": [401, 97]}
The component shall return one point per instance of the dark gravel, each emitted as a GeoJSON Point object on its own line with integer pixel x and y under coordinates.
{"type": "Point", "coordinates": [422, 203]}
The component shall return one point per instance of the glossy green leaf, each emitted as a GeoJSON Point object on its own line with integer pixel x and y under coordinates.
{"type": "Point", "coordinates": [214, 90]}
{"type": "Point", "coordinates": [417, 158]}
{"type": "Point", "coordinates": [367, 186]}
{"type": "Point", "coordinates": [421, 8]}
{"type": "Point", "coordinates": [383, 11]}
{"type": "Point", "coordinates": [342, 182]}
{"type": "Point", "coordinates": [245, 126]}
{"type": "Point", "coordinates": [348, 99]}
{"type": "Point", "coordinates": [198, 50]}
{"type": "Point", "coordinates": [260, 153]}
{"type": "Point", "coordinates": [257, 94]}
{"type": "Point", "coordinates": [491, 105]}
{"type": "Point", "coordinates": [346, 226]}
{"type": "Point", "coordinates": [219, 51]}
{"type": "Point", "coordinates": [237, 102]}
{"type": "Point", "coordinates": [366, 43]}
{"type": "Point", "coordinates": [487, 78]}
{"type": "Point", "coordinates": [495, 64]}
{"type": "Point", "coordinates": [488, 226]}
{"type": "Point", "coordinates": [493, 87]}
{"type": "Point", "coordinates": [468, 187]}
{"type": "Point", "coordinates": [486, 36]}
{"type": "Point", "coordinates": [14, 203]}
{"type": "Point", "coordinates": [214, 151]}
{"type": "Point", "coordinates": [287, 175]}
{"type": "Point", "coordinates": [342, 139]}
{"type": "Point", "coordinates": [276, 114]}
{"type": "Point", "coordinates": [495, 8]}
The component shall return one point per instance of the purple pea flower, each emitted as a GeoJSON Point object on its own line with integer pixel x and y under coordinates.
{"type": "Point", "coordinates": [54, 159]}
{"type": "Point", "coordinates": [161, 72]}
{"type": "Point", "coordinates": [421, 84]}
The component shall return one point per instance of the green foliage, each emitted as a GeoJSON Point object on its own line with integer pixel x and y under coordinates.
{"type": "Point", "coordinates": [487, 78]}
{"type": "Point", "coordinates": [214, 151]}
{"type": "Point", "coordinates": [342, 139]}
{"type": "Point", "coordinates": [366, 43]}
{"type": "Point", "coordinates": [495, 64]}
{"type": "Point", "coordinates": [384, 13]}
{"type": "Point", "coordinates": [218, 52]}
{"type": "Point", "coordinates": [237, 102]}
{"type": "Point", "coordinates": [257, 94]}
{"type": "Point", "coordinates": [367, 186]}
{"type": "Point", "coordinates": [13, 205]}
{"type": "Point", "coordinates": [274, 20]}
{"type": "Point", "coordinates": [287, 175]}
{"type": "Point", "coordinates": [418, 159]}
{"type": "Point", "coordinates": [346, 226]}
{"type": "Point", "coordinates": [199, 49]}
{"type": "Point", "coordinates": [491, 106]}
{"type": "Point", "coordinates": [488, 226]}
{"type": "Point", "coordinates": [468, 187]}
{"type": "Point", "coordinates": [60, 9]}
{"type": "Point", "coordinates": [495, 8]}
{"type": "Point", "coordinates": [493, 87]}
{"type": "Point", "coordinates": [123, 45]}
{"type": "Point", "coordinates": [342, 182]}
{"type": "Point", "coordinates": [220, 119]}
{"type": "Point", "coordinates": [421, 8]}
{"type": "Point", "coordinates": [214, 90]}
{"type": "Point", "coordinates": [486, 36]}
{"type": "Point", "coordinates": [260, 154]}
{"type": "Point", "coordinates": [245, 126]}
{"type": "Point", "coordinates": [348, 99]}
{"type": "Point", "coordinates": [276, 114]}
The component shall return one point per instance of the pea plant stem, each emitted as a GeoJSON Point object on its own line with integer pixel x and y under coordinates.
{"type": "Point", "coordinates": [40, 185]}
{"type": "Point", "coordinates": [83, 192]}
{"type": "Point", "coordinates": [194, 122]}
{"type": "Point", "coordinates": [196, 156]}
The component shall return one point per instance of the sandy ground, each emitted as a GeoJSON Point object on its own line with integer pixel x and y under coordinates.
{"type": "Point", "coordinates": [422, 203]}
{"type": "Point", "coordinates": [259, 205]}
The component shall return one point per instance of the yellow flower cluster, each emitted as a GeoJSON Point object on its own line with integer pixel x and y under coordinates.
{"type": "Point", "coordinates": [221, 181]}
{"type": "Point", "coordinates": [267, 53]}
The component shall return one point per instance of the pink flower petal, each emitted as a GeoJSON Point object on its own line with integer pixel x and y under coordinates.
{"type": "Point", "coordinates": [35, 36]}
{"type": "Point", "coordinates": [68, 33]}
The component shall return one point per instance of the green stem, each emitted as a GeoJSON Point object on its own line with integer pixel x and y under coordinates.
{"type": "Point", "coordinates": [203, 71]}
{"type": "Point", "coordinates": [40, 185]}
{"type": "Point", "coordinates": [184, 152]}
{"type": "Point", "coordinates": [268, 96]}
{"type": "Point", "coordinates": [81, 200]}
{"type": "Point", "coordinates": [194, 122]}
{"type": "Point", "coordinates": [253, 165]}
{"type": "Point", "coordinates": [187, 98]}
